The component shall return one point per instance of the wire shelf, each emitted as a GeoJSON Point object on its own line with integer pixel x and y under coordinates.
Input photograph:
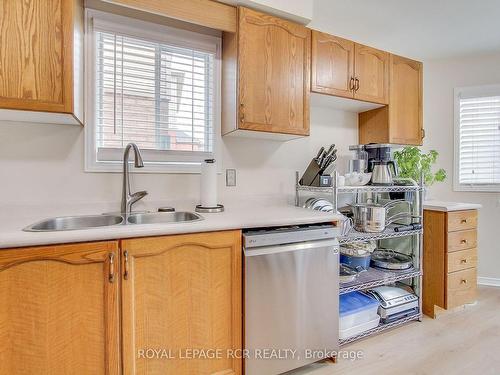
{"type": "Point", "coordinates": [381, 327]}
{"type": "Point", "coordinates": [360, 189]}
{"type": "Point", "coordinates": [355, 236]}
{"type": "Point", "coordinates": [374, 277]}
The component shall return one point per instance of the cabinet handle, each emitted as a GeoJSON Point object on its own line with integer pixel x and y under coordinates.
{"type": "Point", "coordinates": [125, 265]}
{"type": "Point", "coordinates": [423, 133]}
{"type": "Point", "coordinates": [464, 261]}
{"type": "Point", "coordinates": [242, 112]}
{"type": "Point", "coordinates": [351, 84]}
{"type": "Point", "coordinates": [464, 241]}
{"type": "Point", "coordinates": [356, 86]}
{"type": "Point", "coordinates": [463, 281]}
{"type": "Point", "coordinates": [463, 221]}
{"type": "Point", "coordinates": [111, 276]}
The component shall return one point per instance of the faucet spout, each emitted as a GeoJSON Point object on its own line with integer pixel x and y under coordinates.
{"type": "Point", "coordinates": [128, 198]}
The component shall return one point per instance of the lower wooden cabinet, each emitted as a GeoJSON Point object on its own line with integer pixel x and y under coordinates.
{"type": "Point", "coordinates": [450, 259]}
{"type": "Point", "coordinates": [59, 310]}
{"type": "Point", "coordinates": [179, 293]}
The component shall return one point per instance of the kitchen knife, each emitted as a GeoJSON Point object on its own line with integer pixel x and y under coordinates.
{"type": "Point", "coordinates": [322, 158]}
{"type": "Point", "coordinates": [331, 149]}
{"type": "Point", "coordinates": [325, 162]}
{"type": "Point", "coordinates": [318, 156]}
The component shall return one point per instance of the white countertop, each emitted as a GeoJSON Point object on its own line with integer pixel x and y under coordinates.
{"type": "Point", "coordinates": [450, 206]}
{"type": "Point", "coordinates": [235, 216]}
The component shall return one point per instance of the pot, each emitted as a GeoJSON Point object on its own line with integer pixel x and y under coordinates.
{"type": "Point", "coordinates": [372, 217]}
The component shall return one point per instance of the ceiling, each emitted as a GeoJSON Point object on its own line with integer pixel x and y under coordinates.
{"type": "Point", "coordinates": [421, 29]}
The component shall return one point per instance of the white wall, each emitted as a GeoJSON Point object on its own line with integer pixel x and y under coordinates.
{"type": "Point", "coordinates": [41, 162]}
{"type": "Point", "coordinates": [440, 78]}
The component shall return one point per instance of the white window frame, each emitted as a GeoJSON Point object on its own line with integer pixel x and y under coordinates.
{"type": "Point", "coordinates": [469, 91]}
{"type": "Point", "coordinates": [171, 161]}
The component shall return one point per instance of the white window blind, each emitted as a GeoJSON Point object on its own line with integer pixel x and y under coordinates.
{"type": "Point", "coordinates": [158, 94]}
{"type": "Point", "coordinates": [478, 140]}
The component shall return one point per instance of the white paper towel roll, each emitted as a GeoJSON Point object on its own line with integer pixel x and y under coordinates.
{"type": "Point", "coordinates": [208, 186]}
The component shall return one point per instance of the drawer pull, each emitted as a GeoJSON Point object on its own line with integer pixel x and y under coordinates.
{"type": "Point", "coordinates": [463, 241]}
{"type": "Point", "coordinates": [463, 261]}
{"type": "Point", "coordinates": [463, 221]}
{"type": "Point", "coordinates": [464, 281]}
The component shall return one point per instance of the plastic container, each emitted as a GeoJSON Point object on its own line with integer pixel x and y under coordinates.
{"type": "Point", "coordinates": [356, 309]}
{"type": "Point", "coordinates": [360, 328]}
{"type": "Point", "coordinates": [356, 262]}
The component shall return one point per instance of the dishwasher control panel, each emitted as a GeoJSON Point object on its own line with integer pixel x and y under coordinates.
{"type": "Point", "coordinates": [287, 235]}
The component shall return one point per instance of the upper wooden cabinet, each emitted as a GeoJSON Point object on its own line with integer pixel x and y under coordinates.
{"type": "Point", "coordinates": [401, 121]}
{"type": "Point", "coordinates": [371, 69]}
{"type": "Point", "coordinates": [59, 309]}
{"type": "Point", "coordinates": [405, 111]}
{"type": "Point", "coordinates": [332, 65]}
{"type": "Point", "coordinates": [182, 292]}
{"type": "Point", "coordinates": [343, 68]}
{"type": "Point", "coordinates": [41, 59]}
{"type": "Point", "coordinates": [266, 76]}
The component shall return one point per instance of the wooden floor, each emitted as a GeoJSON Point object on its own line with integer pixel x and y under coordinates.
{"type": "Point", "coordinates": [460, 342]}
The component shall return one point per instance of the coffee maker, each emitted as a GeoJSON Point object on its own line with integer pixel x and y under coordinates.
{"type": "Point", "coordinates": [381, 164]}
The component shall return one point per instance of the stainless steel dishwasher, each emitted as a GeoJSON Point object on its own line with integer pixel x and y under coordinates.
{"type": "Point", "coordinates": [291, 297]}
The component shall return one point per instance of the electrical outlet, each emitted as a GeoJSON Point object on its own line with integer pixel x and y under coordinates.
{"type": "Point", "coordinates": [230, 177]}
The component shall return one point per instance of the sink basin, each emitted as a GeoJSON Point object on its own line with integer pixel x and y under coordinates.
{"type": "Point", "coordinates": [164, 217]}
{"type": "Point", "coordinates": [74, 223]}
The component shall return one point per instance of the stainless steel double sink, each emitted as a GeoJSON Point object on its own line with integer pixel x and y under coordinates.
{"type": "Point", "coordinates": [107, 220]}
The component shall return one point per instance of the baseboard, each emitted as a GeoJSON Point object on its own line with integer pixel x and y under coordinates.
{"type": "Point", "coordinates": [490, 281]}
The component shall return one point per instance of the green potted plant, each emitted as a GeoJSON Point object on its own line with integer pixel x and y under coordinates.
{"type": "Point", "coordinates": [412, 163]}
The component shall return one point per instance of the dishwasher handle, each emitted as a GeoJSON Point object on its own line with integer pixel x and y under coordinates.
{"type": "Point", "coordinates": [267, 250]}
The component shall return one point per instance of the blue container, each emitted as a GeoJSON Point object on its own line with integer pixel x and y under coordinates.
{"type": "Point", "coordinates": [358, 263]}
{"type": "Point", "coordinates": [355, 303]}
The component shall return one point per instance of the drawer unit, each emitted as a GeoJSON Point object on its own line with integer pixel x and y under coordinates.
{"type": "Point", "coordinates": [461, 260]}
{"type": "Point", "coordinates": [461, 240]}
{"type": "Point", "coordinates": [450, 259]}
{"type": "Point", "coordinates": [461, 287]}
{"type": "Point", "coordinates": [462, 220]}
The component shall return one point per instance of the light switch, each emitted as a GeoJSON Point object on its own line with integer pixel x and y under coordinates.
{"type": "Point", "coordinates": [230, 177]}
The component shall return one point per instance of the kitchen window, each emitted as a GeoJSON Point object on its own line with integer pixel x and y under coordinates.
{"type": "Point", "coordinates": [477, 138]}
{"type": "Point", "coordinates": [155, 86]}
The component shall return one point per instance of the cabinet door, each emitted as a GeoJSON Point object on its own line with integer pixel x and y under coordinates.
{"type": "Point", "coordinates": [179, 293]}
{"type": "Point", "coordinates": [371, 67]}
{"type": "Point", "coordinates": [406, 101]}
{"type": "Point", "coordinates": [59, 310]}
{"type": "Point", "coordinates": [274, 74]}
{"type": "Point", "coordinates": [332, 65]}
{"type": "Point", "coordinates": [36, 54]}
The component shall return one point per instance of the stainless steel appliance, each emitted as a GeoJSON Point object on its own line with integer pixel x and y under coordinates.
{"type": "Point", "coordinates": [381, 174]}
{"type": "Point", "coordinates": [395, 302]}
{"type": "Point", "coordinates": [291, 296]}
{"type": "Point", "coordinates": [359, 161]}
{"type": "Point", "coordinates": [380, 152]}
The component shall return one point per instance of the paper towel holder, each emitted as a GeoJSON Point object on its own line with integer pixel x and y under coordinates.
{"type": "Point", "coordinates": [209, 210]}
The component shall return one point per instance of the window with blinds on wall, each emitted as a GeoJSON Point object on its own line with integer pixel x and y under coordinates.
{"type": "Point", "coordinates": [155, 89]}
{"type": "Point", "coordinates": [478, 138]}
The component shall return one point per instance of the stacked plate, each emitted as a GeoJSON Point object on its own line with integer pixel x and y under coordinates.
{"type": "Point", "coordinates": [319, 204]}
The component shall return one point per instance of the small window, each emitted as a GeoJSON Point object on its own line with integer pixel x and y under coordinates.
{"type": "Point", "coordinates": [152, 85]}
{"type": "Point", "coordinates": [477, 138]}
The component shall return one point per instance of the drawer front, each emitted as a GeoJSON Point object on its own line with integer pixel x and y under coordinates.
{"type": "Point", "coordinates": [461, 260]}
{"type": "Point", "coordinates": [461, 220]}
{"type": "Point", "coordinates": [461, 288]}
{"type": "Point", "coordinates": [465, 239]}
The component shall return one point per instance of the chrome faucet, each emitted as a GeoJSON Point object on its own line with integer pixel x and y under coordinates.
{"type": "Point", "coordinates": [129, 199]}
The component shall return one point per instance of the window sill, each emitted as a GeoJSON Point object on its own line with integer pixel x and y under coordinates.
{"type": "Point", "coordinates": [159, 168]}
